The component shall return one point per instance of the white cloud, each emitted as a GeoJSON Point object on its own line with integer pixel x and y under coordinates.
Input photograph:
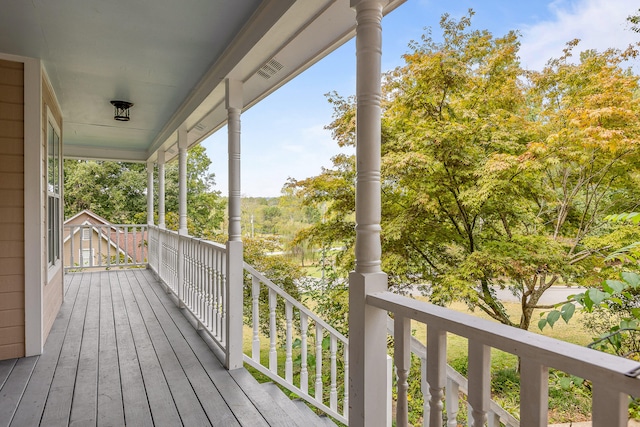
{"type": "Point", "coordinates": [599, 24]}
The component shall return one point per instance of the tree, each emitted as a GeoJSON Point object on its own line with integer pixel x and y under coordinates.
{"type": "Point", "coordinates": [117, 191]}
{"type": "Point", "coordinates": [491, 176]}
{"type": "Point", "coordinates": [205, 207]}
{"type": "Point", "coordinates": [634, 20]}
{"type": "Point", "coordinates": [113, 190]}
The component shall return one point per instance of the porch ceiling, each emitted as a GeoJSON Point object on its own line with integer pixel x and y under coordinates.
{"type": "Point", "coordinates": [169, 58]}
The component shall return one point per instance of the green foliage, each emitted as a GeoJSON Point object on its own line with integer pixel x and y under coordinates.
{"type": "Point", "coordinates": [117, 191]}
{"type": "Point", "coordinates": [205, 207]}
{"type": "Point", "coordinates": [492, 176]}
{"type": "Point", "coordinates": [113, 190]}
{"type": "Point", "coordinates": [329, 298]}
{"type": "Point", "coordinates": [279, 270]}
{"type": "Point", "coordinates": [634, 20]}
{"type": "Point", "coordinates": [615, 310]}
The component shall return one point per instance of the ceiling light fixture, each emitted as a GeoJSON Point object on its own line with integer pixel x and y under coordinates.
{"type": "Point", "coordinates": [121, 110]}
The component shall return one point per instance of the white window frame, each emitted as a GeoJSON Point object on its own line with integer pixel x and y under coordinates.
{"type": "Point", "coordinates": [87, 256]}
{"type": "Point", "coordinates": [53, 216]}
{"type": "Point", "coordinates": [86, 233]}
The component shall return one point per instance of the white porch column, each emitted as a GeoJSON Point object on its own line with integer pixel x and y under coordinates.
{"type": "Point", "coordinates": [161, 220]}
{"type": "Point", "coordinates": [150, 193]}
{"type": "Point", "coordinates": [182, 208]}
{"type": "Point", "coordinates": [182, 178]}
{"type": "Point", "coordinates": [367, 325]}
{"type": "Point", "coordinates": [234, 245]}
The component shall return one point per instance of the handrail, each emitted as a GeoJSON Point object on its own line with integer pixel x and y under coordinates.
{"type": "Point", "coordinates": [104, 246]}
{"type": "Point", "coordinates": [456, 378]}
{"type": "Point", "coordinates": [294, 301]}
{"type": "Point", "coordinates": [608, 373]}
{"type": "Point", "coordinates": [334, 403]}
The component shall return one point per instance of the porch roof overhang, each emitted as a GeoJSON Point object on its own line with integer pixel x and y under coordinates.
{"type": "Point", "coordinates": [169, 58]}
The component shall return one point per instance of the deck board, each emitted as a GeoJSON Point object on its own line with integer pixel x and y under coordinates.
{"type": "Point", "coordinates": [110, 405]}
{"type": "Point", "coordinates": [134, 396]}
{"type": "Point", "coordinates": [122, 353]}
{"type": "Point", "coordinates": [185, 399]}
{"type": "Point", "coordinates": [242, 407]}
{"type": "Point", "coordinates": [163, 408]}
{"type": "Point", "coordinates": [85, 399]}
{"type": "Point", "coordinates": [31, 406]}
{"type": "Point", "coordinates": [14, 387]}
{"type": "Point", "coordinates": [215, 408]}
{"type": "Point", "coordinates": [58, 406]}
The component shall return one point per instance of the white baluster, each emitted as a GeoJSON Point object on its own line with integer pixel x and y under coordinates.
{"type": "Point", "coordinates": [436, 372]}
{"type": "Point", "coordinates": [304, 374]}
{"type": "Point", "coordinates": [211, 265]}
{"type": "Point", "coordinates": [493, 419]}
{"type": "Point", "coordinates": [479, 382]}
{"type": "Point", "coordinates": [333, 391]}
{"type": "Point", "coordinates": [288, 364]}
{"type": "Point", "coordinates": [99, 231]}
{"type": "Point", "coordinates": [273, 331]}
{"type": "Point", "coordinates": [255, 315]}
{"type": "Point", "coordinates": [610, 407]}
{"type": "Point", "coordinates": [200, 280]}
{"type": "Point", "coordinates": [402, 359]}
{"type": "Point", "coordinates": [223, 299]}
{"type": "Point", "coordinates": [215, 293]}
{"type": "Point", "coordinates": [217, 305]}
{"type": "Point", "coordinates": [424, 387]}
{"type": "Point", "coordinates": [345, 404]}
{"type": "Point", "coordinates": [534, 391]}
{"type": "Point", "coordinates": [452, 400]}
{"type": "Point", "coordinates": [319, 333]}
{"type": "Point", "coordinates": [72, 239]}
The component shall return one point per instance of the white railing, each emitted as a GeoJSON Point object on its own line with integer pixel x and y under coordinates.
{"type": "Point", "coordinates": [613, 378]}
{"type": "Point", "coordinates": [194, 270]}
{"type": "Point", "coordinates": [456, 384]}
{"type": "Point", "coordinates": [99, 246]}
{"type": "Point", "coordinates": [309, 344]}
{"type": "Point", "coordinates": [313, 350]}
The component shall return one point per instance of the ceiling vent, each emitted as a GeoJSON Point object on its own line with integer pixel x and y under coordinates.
{"type": "Point", "coordinates": [270, 69]}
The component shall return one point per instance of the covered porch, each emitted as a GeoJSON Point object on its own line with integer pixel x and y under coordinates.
{"type": "Point", "coordinates": [123, 348]}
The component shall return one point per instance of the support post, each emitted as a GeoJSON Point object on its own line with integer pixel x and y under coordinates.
{"type": "Point", "coordinates": [161, 219]}
{"type": "Point", "coordinates": [234, 245]}
{"type": "Point", "coordinates": [150, 166]}
{"type": "Point", "coordinates": [182, 179]}
{"type": "Point", "coordinates": [367, 325]}
{"type": "Point", "coordinates": [182, 209]}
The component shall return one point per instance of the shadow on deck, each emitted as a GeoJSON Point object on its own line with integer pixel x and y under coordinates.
{"type": "Point", "coordinates": [122, 353]}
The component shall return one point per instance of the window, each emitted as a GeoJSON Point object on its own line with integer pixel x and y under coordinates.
{"type": "Point", "coordinates": [86, 255]}
{"type": "Point", "coordinates": [53, 194]}
{"type": "Point", "coordinates": [86, 234]}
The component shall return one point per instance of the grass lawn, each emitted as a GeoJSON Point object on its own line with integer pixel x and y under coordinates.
{"type": "Point", "coordinates": [565, 404]}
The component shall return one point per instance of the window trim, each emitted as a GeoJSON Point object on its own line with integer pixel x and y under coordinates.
{"type": "Point", "coordinates": [55, 264]}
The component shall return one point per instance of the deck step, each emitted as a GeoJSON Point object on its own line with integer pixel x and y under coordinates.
{"type": "Point", "coordinates": [304, 408]}
{"type": "Point", "coordinates": [287, 405]}
{"type": "Point", "coordinates": [263, 400]}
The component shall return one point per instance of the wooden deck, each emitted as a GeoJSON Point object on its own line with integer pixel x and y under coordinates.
{"type": "Point", "coordinates": [122, 353]}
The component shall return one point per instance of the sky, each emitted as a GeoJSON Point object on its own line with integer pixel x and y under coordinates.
{"type": "Point", "coordinates": [284, 135]}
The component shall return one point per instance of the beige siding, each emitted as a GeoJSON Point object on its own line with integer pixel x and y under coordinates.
{"type": "Point", "coordinates": [53, 290]}
{"type": "Point", "coordinates": [11, 209]}
{"type": "Point", "coordinates": [53, 301]}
